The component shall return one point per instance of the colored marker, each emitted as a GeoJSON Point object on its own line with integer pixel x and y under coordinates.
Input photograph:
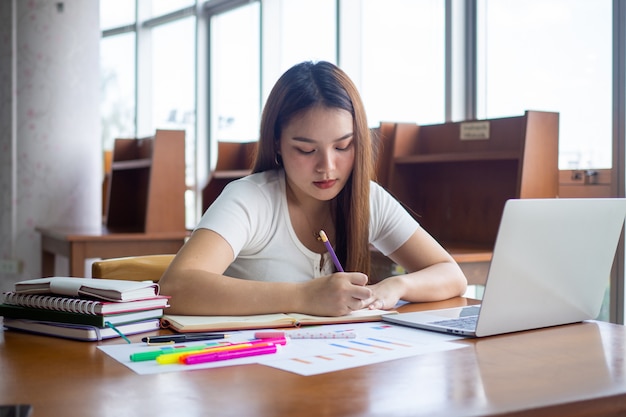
{"type": "Point", "coordinates": [153, 354]}
{"type": "Point", "coordinates": [179, 357]}
{"type": "Point", "coordinates": [176, 357]}
{"type": "Point", "coordinates": [330, 250]}
{"type": "Point", "coordinates": [233, 354]}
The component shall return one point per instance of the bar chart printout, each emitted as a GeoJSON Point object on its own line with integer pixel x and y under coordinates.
{"type": "Point", "coordinates": [375, 343]}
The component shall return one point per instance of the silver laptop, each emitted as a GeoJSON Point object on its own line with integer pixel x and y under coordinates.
{"type": "Point", "coordinates": [551, 265]}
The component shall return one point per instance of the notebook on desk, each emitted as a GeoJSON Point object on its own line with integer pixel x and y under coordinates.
{"type": "Point", "coordinates": [551, 265]}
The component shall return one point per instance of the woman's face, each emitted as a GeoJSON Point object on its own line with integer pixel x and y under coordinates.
{"type": "Point", "coordinates": [317, 149]}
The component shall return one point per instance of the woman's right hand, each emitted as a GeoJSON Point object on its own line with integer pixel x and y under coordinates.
{"type": "Point", "coordinates": [336, 295]}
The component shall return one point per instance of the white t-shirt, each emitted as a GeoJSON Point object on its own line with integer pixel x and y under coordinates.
{"type": "Point", "coordinates": [252, 215]}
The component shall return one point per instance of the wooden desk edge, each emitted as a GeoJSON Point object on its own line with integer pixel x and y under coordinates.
{"type": "Point", "coordinates": [437, 305]}
{"type": "Point", "coordinates": [77, 234]}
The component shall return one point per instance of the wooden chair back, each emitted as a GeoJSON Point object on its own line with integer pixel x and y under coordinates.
{"type": "Point", "coordinates": [132, 268]}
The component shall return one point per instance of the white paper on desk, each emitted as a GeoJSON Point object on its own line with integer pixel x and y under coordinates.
{"type": "Point", "coordinates": [376, 342]}
{"type": "Point", "coordinates": [122, 352]}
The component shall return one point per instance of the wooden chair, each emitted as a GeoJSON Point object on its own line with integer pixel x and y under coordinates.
{"type": "Point", "coordinates": [132, 268]}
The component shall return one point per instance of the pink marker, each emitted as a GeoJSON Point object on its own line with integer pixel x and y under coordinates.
{"type": "Point", "coordinates": [233, 354]}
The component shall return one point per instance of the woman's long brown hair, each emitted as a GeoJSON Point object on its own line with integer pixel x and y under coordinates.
{"type": "Point", "coordinates": [304, 86]}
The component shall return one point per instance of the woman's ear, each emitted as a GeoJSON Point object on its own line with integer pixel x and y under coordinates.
{"type": "Point", "coordinates": [278, 160]}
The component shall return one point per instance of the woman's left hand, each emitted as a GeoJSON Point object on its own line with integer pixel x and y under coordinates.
{"type": "Point", "coordinates": [384, 295]}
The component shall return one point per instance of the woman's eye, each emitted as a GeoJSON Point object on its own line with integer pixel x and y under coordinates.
{"type": "Point", "coordinates": [344, 147]}
{"type": "Point", "coordinates": [305, 151]}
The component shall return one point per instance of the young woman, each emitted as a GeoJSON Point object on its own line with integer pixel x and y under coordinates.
{"type": "Point", "coordinates": [257, 248]}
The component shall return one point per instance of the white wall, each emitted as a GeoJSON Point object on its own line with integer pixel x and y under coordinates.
{"type": "Point", "coordinates": [50, 146]}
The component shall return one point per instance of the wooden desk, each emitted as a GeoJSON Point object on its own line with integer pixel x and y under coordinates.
{"type": "Point", "coordinates": [80, 244]}
{"type": "Point", "coordinates": [575, 370]}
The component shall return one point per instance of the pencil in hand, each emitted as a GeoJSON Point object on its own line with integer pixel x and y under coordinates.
{"type": "Point", "coordinates": [330, 250]}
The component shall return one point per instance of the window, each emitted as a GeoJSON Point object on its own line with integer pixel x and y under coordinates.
{"type": "Point", "coordinates": [116, 13]}
{"type": "Point", "coordinates": [296, 31]}
{"type": "Point", "coordinates": [151, 86]}
{"type": "Point", "coordinates": [397, 58]}
{"type": "Point", "coordinates": [161, 7]}
{"type": "Point", "coordinates": [552, 55]}
{"type": "Point", "coordinates": [235, 75]}
{"type": "Point", "coordinates": [173, 91]}
{"type": "Point", "coordinates": [117, 68]}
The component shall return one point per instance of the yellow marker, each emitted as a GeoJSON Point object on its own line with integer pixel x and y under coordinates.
{"type": "Point", "coordinates": [171, 358]}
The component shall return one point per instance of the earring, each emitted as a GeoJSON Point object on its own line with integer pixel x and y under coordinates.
{"type": "Point", "coordinates": [278, 160]}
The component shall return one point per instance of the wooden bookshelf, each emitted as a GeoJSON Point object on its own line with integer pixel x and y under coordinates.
{"type": "Point", "coordinates": [146, 191]}
{"type": "Point", "coordinates": [457, 187]}
{"type": "Point", "coordinates": [456, 177]}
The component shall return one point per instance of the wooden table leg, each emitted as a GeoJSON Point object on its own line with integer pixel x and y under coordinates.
{"type": "Point", "coordinates": [77, 259]}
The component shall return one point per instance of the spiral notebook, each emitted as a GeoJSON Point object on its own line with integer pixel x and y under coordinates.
{"type": "Point", "coordinates": [17, 312]}
{"type": "Point", "coordinates": [83, 305]}
{"type": "Point", "coordinates": [80, 331]}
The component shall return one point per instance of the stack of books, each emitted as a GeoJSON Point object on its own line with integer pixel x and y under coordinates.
{"type": "Point", "coordinates": [83, 308]}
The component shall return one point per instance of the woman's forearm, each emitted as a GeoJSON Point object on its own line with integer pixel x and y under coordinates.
{"type": "Point", "coordinates": [436, 282]}
{"type": "Point", "coordinates": [196, 292]}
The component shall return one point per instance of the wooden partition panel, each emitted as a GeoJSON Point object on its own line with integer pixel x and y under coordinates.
{"type": "Point", "coordinates": [234, 160]}
{"type": "Point", "coordinates": [166, 195]}
{"type": "Point", "coordinates": [539, 175]}
{"type": "Point", "coordinates": [233, 156]}
{"type": "Point", "coordinates": [457, 201]}
{"type": "Point", "coordinates": [591, 183]}
{"type": "Point", "coordinates": [455, 177]}
{"type": "Point", "coordinates": [128, 201]}
{"type": "Point", "coordinates": [382, 139]}
{"type": "Point", "coordinates": [147, 185]}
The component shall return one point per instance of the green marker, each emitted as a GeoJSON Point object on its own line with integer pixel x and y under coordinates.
{"type": "Point", "coordinates": [153, 354]}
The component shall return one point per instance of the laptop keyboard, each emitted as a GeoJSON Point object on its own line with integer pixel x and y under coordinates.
{"type": "Point", "coordinates": [463, 323]}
